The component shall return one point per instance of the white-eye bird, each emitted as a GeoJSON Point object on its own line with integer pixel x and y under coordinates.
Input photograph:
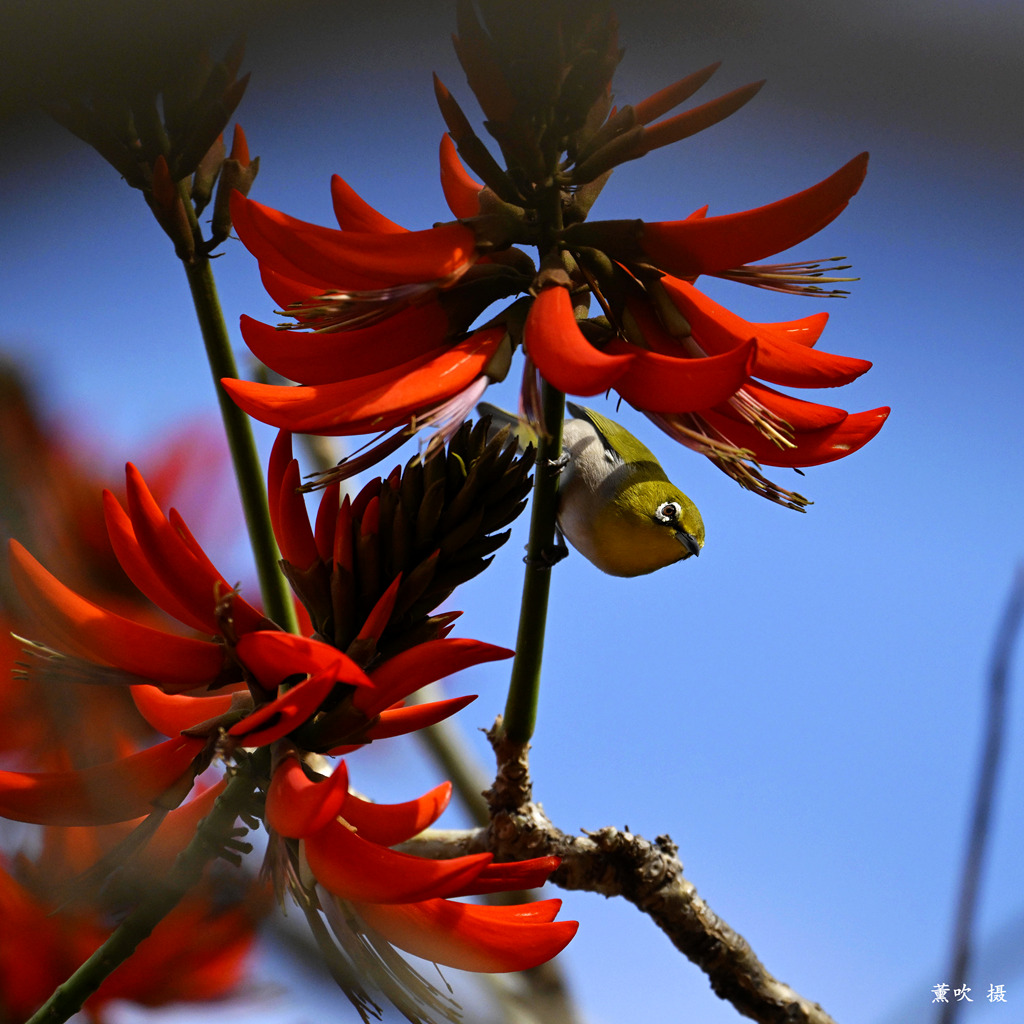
{"type": "Point", "coordinates": [616, 505]}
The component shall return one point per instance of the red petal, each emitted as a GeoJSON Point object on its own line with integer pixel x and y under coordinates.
{"type": "Point", "coordinates": [513, 876]}
{"type": "Point", "coordinates": [663, 383]}
{"type": "Point", "coordinates": [298, 807]}
{"type": "Point", "coordinates": [380, 614]}
{"type": "Point", "coordinates": [407, 258]}
{"type": "Point", "coordinates": [561, 353]}
{"type": "Point", "coordinates": [813, 447]}
{"type": "Point", "coordinates": [468, 937]}
{"type": "Point", "coordinates": [326, 520]}
{"type": "Point", "coordinates": [271, 260]}
{"type": "Point", "coordinates": [280, 457]}
{"type": "Point", "coordinates": [321, 358]}
{"type": "Point", "coordinates": [183, 566]}
{"type": "Point", "coordinates": [275, 656]}
{"type": "Point", "coordinates": [101, 795]}
{"type": "Point", "coordinates": [800, 415]}
{"type": "Point", "coordinates": [687, 248]}
{"type": "Point", "coordinates": [400, 721]}
{"type": "Point", "coordinates": [176, 663]}
{"type": "Point", "coordinates": [461, 192]}
{"type": "Point", "coordinates": [315, 277]}
{"type": "Point", "coordinates": [298, 546]}
{"type": "Point", "coordinates": [355, 214]}
{"type": "Point", "coordinates": [140, 572]}
{"type": "Point", "coordinates": [390, 824]}
{"type": "Point", "coordinates": [376, 402]}
{"type": "Point", "coordinates": [281, 716]}
{"type": "Point", "coordinates": [784, 355]}
{"type": "Point", "coordinates": [172, 714]}
{"type": "Point", "coordinates": [425, 663]}
{"type": "Point", "coordinates": [286, 292]}
{"type": "Point", "coordinates": [353, 868]}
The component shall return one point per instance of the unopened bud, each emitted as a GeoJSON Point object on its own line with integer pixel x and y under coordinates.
{"type": "Point", "coordinates": [237, 174]}
{"type": "Point", "coordinates": [206, 174]}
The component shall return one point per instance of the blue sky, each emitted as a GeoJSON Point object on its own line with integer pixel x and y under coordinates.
{"type": "Point", "coordinates": [801, 708]}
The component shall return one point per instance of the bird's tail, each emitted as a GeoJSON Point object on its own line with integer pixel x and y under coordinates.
{"type": "Point", "coordinates": [500, 419]}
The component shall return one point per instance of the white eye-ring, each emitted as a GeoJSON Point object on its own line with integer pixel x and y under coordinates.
{"type": "Point", "coordinates": [668, 512]}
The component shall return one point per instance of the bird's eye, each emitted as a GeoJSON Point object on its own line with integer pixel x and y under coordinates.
{"type": "Point", "coordinates": [668, 511]}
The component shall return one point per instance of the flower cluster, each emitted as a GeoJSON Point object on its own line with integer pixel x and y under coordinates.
{"type": "Point", "coordinates": [385, 334]}
{"type": "Point", "coordinates": [235, 685]}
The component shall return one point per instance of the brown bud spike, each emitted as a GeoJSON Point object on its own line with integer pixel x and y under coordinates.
{"type": "Point", "coordinates": [689, 122]}
{"type": "Point", "coordinates": [672, 95]}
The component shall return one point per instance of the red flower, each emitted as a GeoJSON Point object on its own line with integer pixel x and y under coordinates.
{"type": "Point", "coordinates": [407, 899]}
{"type": "Point", "coordinates": [390, 312]}
{"type": "Point", "coordinates": [253, 685]}
{"type": "Point", "coordinates": [392, 342]}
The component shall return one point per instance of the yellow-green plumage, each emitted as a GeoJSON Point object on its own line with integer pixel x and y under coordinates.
{"type": "Point", "coordinates": [617, 506]}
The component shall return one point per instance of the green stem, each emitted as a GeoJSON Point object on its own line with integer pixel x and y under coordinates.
{"type": "Point", "coordinates": [277, 598]}
{"type": "Point", "coordinates": [188, 868]}
{"type": "Point", "coordinates": [524, 687]}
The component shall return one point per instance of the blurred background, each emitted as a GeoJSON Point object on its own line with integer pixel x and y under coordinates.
{"type": "Point", "coordinates": [801, 709]}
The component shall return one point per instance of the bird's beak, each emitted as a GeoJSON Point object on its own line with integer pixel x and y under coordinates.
{"type": "Point", "coordinates": [688, 541]}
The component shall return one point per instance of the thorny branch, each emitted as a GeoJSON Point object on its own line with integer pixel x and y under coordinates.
{"type": "Point", "coordinates": [613, 862]}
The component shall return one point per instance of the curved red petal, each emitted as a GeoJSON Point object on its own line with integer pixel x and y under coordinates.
{"type": "Point", "coordinates": [175, 663]}
{"type": "Point", "coordinates": [172, 713]}
{"type": "Point", "coordinates": [400, 721]}
{"type": "Point", "coordinates": [286, 713]}
{"type": "Point", "coordinates": [316, 276]}
{"type": "Point", "coordinates": [406, 258]}
{"type": "Point", "coordinates": [784, 352]}
{"type": "Point", "coordinates": [813, 448]}
{"type": "Point", "coordinates": [321, 358]}
{"type": "Point", "coordinates": [688, 248]}
{"type": "Point", "coordinates": [461, 192]}
{"type": "Point", "coordinates": [512, 876]}
{"type": "Point", "coordinates": [180, 562]}
{"type": "Point", "coordinates": [326, 520]}
{"type": "Point", "coordinates": [376, 402]}
{"type": "Point", "coordinates": [280, 271]}
{"type": "Point", "coordinates": [280, 458]}
{"type": "Point", "coordinates": [559, 350]}
{"type": "Point", "coordinates": [468, 937]}
{"type": "Point", "coordinates": [298, 546]}
{"type": "Point", "coordinates": [274, 656]}
{"type": "Point", "coordinates": [663, 383]}
{"type": "Point", "coordinates": [390, 824]}
{"type": "Point", "coordinates": [101, 795]}
{"type": "Point", "coordinates": [380, 614]}
{"type": "Point", "coordinates": [355, 214]}
{"type": "Point", "coordinates": [798, 413]}
{"type": "Point", "coordinates": [425, 663]}
{"type": "Point", "coordinates": [354, 869]}
{"type": "Point", "coordinates": [287, 292]}
{"type": "Point", "coordinates": [298, 807]}
{"type": "Point", "coordinates": [134, 562]}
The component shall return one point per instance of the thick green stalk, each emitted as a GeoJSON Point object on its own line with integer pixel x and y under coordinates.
{"type": "Point", "coordinates": [524, 687]}
{"type": "Point", "coordinates": [277, 599]}
{"type": "Point", "coordinates": [166, 893]}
